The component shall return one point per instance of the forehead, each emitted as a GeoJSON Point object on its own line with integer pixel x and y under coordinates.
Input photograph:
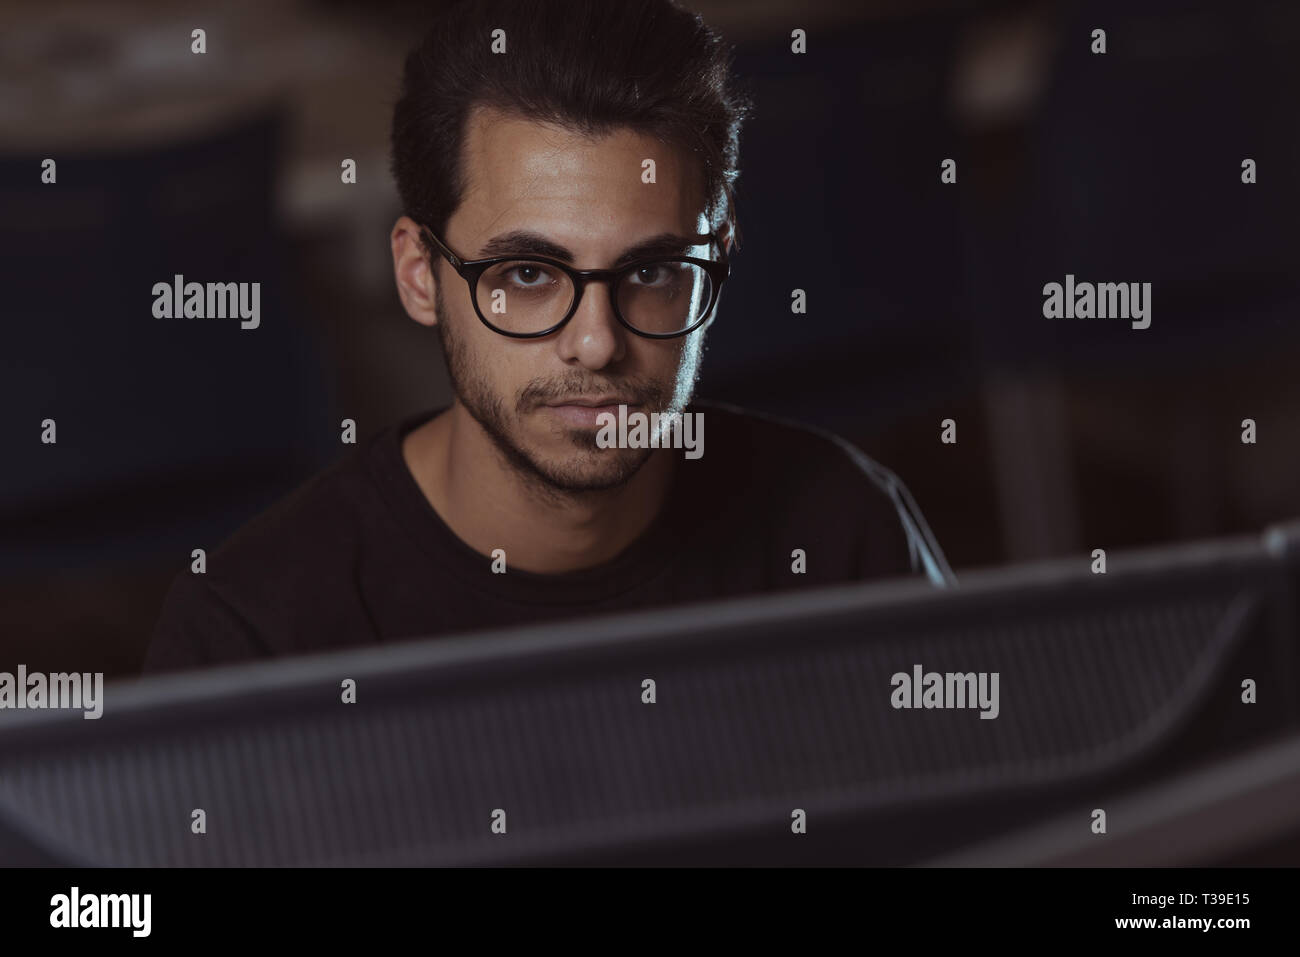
{"type": "Point", "coordinates": [587, 190]}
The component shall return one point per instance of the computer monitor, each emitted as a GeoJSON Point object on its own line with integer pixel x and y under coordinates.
{"type": "Point", "coordinates": [1241, 810]}
{"type": "Point", "coordinates": [794, 728]}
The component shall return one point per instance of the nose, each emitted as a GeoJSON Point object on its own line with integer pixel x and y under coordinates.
{"type": "Point", "coordinates": [593, 337]}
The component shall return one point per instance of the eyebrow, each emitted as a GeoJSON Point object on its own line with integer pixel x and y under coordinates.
{"type": "Point", "coordinates": [523, 242]}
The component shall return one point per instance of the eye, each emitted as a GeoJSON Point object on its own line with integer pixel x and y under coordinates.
{"type": "Point", "coordinates": [528, 274]}
{"type": "Point", "coordinates": [649, 275]}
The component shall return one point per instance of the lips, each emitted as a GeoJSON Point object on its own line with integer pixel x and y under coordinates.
{"type": "Point", "coordinates": [586, 412]}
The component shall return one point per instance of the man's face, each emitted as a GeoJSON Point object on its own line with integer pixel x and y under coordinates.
{"type": "Point", "coordinates": [585, 197]}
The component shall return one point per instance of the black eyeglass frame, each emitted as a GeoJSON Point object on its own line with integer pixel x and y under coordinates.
{"type": "Point", "coordinates": [472, 269]}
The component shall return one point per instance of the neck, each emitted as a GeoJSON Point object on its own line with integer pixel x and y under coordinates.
{"type": "Point", "coordinates": [489, 503]}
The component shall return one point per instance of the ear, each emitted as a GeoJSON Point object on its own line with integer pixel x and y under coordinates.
{"type": "Point", "coordinates": [416, 280]}
{"type": "Point", "coordinates": [725, 241]}
{"type": "Point", "coordinates": [727, 236]}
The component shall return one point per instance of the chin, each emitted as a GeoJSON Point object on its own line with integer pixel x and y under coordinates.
{"type": "Point", "coordinates": [593, 470]}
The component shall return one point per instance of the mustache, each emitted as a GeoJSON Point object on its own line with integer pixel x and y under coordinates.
{"type": "Point", "coordinates": [540, 393]}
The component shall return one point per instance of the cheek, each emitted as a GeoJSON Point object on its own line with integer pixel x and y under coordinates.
{"type": "Point", "coordinates": [507, 367]}
{"type": "Point", "coordinates": [662, 360]}
{"type": "Point", "coordinates": [477, 347]}
{"type": "Point", "coordinates": [686, 357]}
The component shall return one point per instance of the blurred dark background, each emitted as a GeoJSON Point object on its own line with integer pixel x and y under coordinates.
{"type": "Point", "coordinates": [924, 299]}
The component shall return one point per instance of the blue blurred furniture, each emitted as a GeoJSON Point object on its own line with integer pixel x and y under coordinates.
{"type": "Point", "coordinates": [170, 431]}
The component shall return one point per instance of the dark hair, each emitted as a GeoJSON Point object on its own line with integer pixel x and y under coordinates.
{"type": "Point", "coordinates": [590, 65]}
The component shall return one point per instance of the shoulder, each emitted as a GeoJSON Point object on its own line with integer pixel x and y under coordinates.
{"type": "Point", "coordinates": [812, 471]}
{"type": "Point", "coordinates": [791, 452]}
{"type": "Point", "coordinates": [256, 584]}
{"type": "Point", "coordinates": [312, 522]}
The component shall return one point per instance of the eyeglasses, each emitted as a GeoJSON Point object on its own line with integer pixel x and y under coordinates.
{"type": "Point", "coordinates": [527, 298]}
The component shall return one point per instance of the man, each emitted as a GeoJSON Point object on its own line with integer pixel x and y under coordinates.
{"type": "Point", "coordinates": [566, 171]}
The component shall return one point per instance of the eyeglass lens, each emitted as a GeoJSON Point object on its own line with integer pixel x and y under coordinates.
{"type": "Point", "coordinates": [523, 296]}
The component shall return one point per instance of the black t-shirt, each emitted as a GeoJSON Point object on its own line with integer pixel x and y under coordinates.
{"type": "Point", "coordinates": [358, 556]}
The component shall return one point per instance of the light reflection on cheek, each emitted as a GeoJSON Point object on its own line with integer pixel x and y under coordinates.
{"type": "Point", "coordinates": [688, 370]}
